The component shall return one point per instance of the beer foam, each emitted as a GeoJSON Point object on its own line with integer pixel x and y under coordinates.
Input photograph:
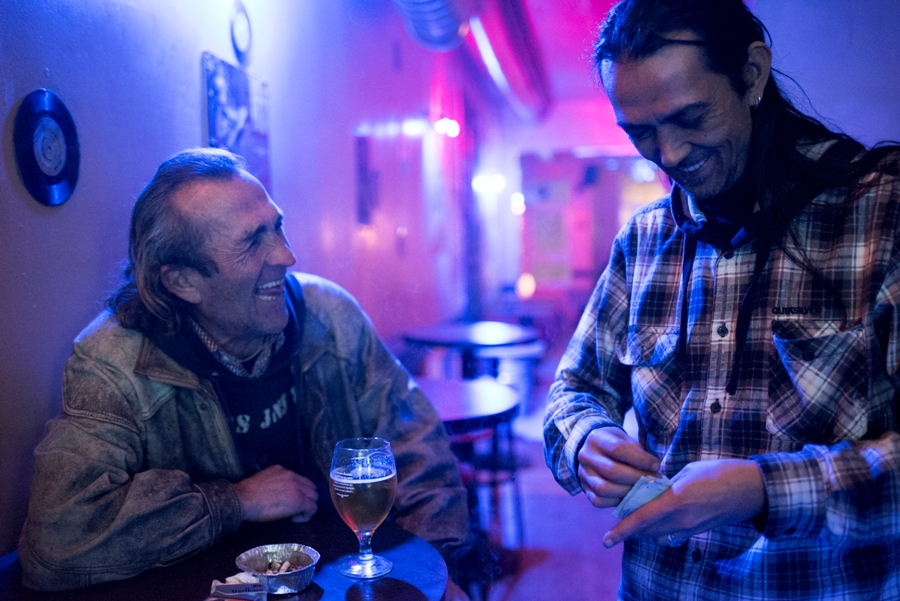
{"type": "Point", "coordinates": [356, 476]}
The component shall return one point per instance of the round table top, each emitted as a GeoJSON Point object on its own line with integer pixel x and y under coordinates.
{"type": "Point", "coordinates": [471, 335]}
{"type": "Point", "coordinates": [470, 405]}
{"type": "Point", "coordinates": [419, 571]}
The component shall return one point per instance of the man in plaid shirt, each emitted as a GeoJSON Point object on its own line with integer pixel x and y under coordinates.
{"type": "Point", "coordinates": [750, 319]}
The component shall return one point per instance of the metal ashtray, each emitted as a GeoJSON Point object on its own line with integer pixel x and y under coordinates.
{"type": "Point", "coordinates": [300, 574]}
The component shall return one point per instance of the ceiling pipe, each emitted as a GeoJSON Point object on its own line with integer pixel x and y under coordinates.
{"type": "Point", "coordinates": [498, 33]}
{"type": "Point", "coordinates": [437, 24]}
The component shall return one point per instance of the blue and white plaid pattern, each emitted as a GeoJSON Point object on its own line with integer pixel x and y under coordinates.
{"type": "Point", "coordinates": [815, 404]}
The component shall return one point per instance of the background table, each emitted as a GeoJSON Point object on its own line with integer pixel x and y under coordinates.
{"type": "Point", "coordinates": [419, 573]}
{"type": "Point", "coordinates": [468, 337]}
{"type": "Point", "coordinates": [469, 405]}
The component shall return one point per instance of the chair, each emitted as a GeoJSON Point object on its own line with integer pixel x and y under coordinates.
{"type": "Point", "coordinates": [477, 415]}
{"type": "Point", "coordinates": [494, 466]}
{"type": "Point", "coordinates": [514, 365]}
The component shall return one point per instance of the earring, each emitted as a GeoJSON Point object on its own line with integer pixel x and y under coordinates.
{"type": "Point", "coordinates": [758, 100]}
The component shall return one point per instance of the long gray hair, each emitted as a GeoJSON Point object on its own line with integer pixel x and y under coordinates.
{"type": "Point", "coordinates": [161, 235]}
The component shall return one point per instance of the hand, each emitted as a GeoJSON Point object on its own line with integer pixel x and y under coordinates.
{"type": "Point", "coordinates": [609, 463]}
{"type": "Point", "coordinates": [276, 493]}
{"type": "Point", "coordinates": [703, 496]}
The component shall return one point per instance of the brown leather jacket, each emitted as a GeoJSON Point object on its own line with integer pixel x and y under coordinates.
{"type": "Point", "coordinates": [137, 472]}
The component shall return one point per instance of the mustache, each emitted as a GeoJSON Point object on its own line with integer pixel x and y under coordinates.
{"type": "Point", "coordinates": [683, 168]}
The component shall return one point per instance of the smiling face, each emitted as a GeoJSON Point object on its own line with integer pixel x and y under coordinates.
{"type": "Point", "coordinates": [244, 302]}
{"type": "Point", "coordinates": [682, 116]}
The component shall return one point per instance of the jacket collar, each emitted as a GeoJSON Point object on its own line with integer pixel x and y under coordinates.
{"type": "Point", "coordinates": [180, 360]}
{"type": "Point", "coordinates": [154, 364]}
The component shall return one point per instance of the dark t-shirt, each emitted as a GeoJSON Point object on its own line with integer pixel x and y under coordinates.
{"type": "Point", "coordinates": [264, 415]}
{"type": "Point", "coordinates": [265, 420]}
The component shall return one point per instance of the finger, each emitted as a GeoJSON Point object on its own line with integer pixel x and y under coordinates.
{"type": "Point", "coordinates": [601, 492]}
{"type": "Point", "coordinates": [308, 490]}
{"type": "Point", "coordinates": [306, 510]}
{"type": "Point", "coordinates": [617, 445]}
{"type": "Point", "coordinates": [609, 470]}
{"type": "Point", "coordinates": [635, 457]}
{"type": "Point", "coordinates": [308, 505]}
{"type": "Point", "coordinates": [652, 519]}
{"type": "Point", "coordinates": [671, 540]}
{"type": "Point", "coordinates": [601, 501]}
{"type": "Point", "coordinates": [301, 518]}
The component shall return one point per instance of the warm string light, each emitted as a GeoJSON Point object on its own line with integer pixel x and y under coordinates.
{"type": "Point", "coordinates": [517, 203]}
{"type": "Point", "coordinates": [525, 286]}
{"type": "Point", "coordinates": [488, 184]}
{"type": "Point", "coordinates": [411, 128]}
{"type": "Point", "coordinates": [448, 127]}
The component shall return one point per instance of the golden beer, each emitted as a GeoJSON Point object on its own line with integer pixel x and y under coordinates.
{"type": "Point", "coordinates": [363, 496]}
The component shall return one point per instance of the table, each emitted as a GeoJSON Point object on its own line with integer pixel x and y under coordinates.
{"type": "Point", "coordinates": [468, 337]}
{"type": "Point", "coordinates": [419, 573]}
{"type": "Point", "coordinates": [470, 405]}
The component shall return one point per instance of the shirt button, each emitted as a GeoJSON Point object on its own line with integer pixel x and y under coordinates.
{"type": "Point", "coordinates": [715, 407]}
{"type": "Point", "coordinates": [722, 330]}
{"type": "Point", "coordinates": [203, 407]}
{"type": "Point", "coordinates": [728, 255]}
{"type": "Point", "coordinates": [697, 555]}
{"type": "Point", "coordinates": [809, 355]}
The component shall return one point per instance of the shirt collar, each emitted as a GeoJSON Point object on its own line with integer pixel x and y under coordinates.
{"type": "Point", "coordinates": [260, 360]}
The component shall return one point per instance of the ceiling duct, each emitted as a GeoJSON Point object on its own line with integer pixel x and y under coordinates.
{"type": "Point", "coordinates": [437, 24]}
{"type": "Point", "coordinates": [503, 37]}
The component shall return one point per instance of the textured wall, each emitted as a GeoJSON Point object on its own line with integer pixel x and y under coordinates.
{"type": "Point", "coordinates": [844, 54]}
{"type": "Point", "coordinates": [129, 72]}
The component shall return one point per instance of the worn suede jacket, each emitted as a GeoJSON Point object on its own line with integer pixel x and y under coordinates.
{"type": "Point", "coordinates": [138, 471]}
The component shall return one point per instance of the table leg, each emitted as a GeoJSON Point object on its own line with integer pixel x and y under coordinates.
{"type": "Point", "coordinates": [469, 364]}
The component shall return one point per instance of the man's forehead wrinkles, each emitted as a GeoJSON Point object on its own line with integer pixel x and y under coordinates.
{"type": "Point", "coordinates": [669, 117]}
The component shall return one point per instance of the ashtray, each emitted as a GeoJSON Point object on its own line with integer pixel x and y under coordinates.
{"type": "Point", "coordinates": [293, 578]}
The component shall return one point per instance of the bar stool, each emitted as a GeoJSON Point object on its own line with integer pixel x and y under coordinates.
{"type": "Point", "coordinates": [515, 365]}
{"type": "Point", "coordinates": [477, 415]}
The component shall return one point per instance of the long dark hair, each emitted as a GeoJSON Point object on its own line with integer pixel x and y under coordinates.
{"type": "Point", "coordinates": [161, 235]}
{"type": "Point", "coordinates": [782, 173]}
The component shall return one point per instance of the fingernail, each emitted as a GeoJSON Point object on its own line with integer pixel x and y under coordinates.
{"type": "Point", "coordinates": [608, 541]}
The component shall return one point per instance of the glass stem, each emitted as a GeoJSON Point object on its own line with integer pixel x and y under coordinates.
{"type": "Point", "coordinates": [365, 546]}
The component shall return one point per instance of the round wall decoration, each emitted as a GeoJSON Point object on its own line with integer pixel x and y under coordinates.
{"type": "Point", "coordinates": [241, 34]}
{"type": "Point", "coordinates": [46, 147]}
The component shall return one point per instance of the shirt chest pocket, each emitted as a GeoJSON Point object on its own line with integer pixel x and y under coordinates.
{"type": "Point", "coordinates": [656, 375]}
{"type": "Point", "coordinates": [818, 386]}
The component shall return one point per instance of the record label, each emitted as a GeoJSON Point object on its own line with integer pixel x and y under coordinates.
{"type": "Point", "coordinates": [46, 146]}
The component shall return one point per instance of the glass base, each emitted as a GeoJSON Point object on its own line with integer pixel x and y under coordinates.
{"type": "Point", "coordinates": [355, 566]}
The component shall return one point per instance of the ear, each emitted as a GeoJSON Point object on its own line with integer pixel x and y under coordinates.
{"type": "Point", "coordinates": [756, 71]}
{"type": "Point", "coordinates": [182, 282]}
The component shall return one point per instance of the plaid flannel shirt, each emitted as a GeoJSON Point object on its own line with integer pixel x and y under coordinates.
{"type": "Point", "coordinates": [814, 405]}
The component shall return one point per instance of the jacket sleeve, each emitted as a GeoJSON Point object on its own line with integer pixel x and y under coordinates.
{"type": "Point", "coordinates": [431, 501]}
{"type": "Point", "coordinates": [97, 512]}
{"type": "Point", "coordinates": [592, 388]}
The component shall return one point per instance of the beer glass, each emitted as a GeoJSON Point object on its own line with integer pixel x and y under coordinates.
{"type": "Point", "coordinates": [363, 483]}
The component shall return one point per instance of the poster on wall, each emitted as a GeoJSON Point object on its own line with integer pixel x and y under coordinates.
{"type": "Point", "coordinates": [238, 114]}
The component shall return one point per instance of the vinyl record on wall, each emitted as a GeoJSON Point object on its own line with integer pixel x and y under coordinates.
{"type": "Point", "coordinates": [46, 147]}
{"type": "Point", "coordinates": [241, 34]}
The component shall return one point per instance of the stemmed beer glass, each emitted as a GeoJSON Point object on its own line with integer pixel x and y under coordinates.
{"type": "Point", "coordinates": [363, 484]}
